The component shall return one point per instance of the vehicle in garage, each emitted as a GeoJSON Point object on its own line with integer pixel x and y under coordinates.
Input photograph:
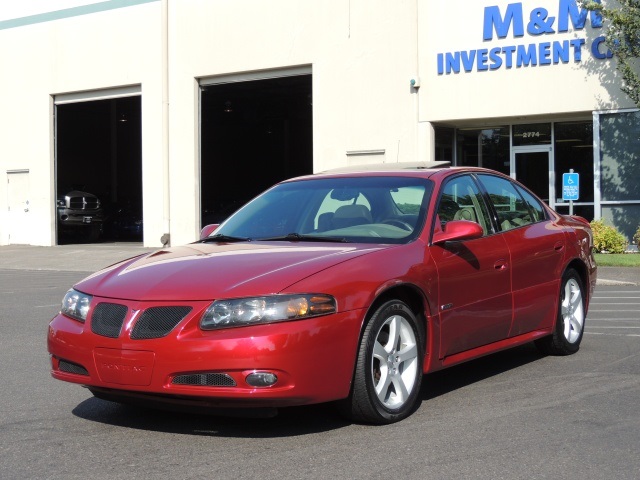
{"type": "Point", "coordinates": [341, 286]}
{"type": "Point", "coordinates": [79, 214]}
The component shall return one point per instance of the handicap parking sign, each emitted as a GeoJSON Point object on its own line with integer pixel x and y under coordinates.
{"type": "Point", "coordinates": [570, 186]}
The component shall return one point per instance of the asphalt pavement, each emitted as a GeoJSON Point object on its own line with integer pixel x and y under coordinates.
{"type": "Point", "coordinates": [92, 257]}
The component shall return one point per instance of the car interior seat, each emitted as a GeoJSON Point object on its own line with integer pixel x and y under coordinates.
{"type": "Point", "coordinates": [466, 213]}
{"type": "Point", "coordinates": [351, 215]}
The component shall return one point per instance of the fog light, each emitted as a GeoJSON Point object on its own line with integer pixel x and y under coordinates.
{"type": "Point", "coordinates": [261, 379]}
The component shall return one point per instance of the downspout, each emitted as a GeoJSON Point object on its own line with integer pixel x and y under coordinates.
{"type": "Point", "coordinates": [166, 204]}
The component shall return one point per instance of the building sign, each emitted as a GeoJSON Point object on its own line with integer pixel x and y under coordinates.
{"type": "Point", "coordinates": [542, 25]}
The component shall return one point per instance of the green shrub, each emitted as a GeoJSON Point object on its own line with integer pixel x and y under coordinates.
{"type": "Point", "coordinates": [636, 237]}
{"type": "Point", "coordinates": [607, 239]}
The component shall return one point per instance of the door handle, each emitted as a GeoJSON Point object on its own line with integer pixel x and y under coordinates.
{"type": "Point", "coordinates": [500, 265]}
{"type": "Point", "coordinates": [559, 246]}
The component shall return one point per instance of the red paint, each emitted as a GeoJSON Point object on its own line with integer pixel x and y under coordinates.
{"type": "Point", "coordinates": [477, 295]}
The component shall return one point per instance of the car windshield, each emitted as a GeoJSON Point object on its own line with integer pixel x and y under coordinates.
{"type": "Point", "coordinates": [347, 209]}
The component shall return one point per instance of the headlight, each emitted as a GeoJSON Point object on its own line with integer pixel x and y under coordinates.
{"type": "Point", "coordinates": [276, 308]}
{"type": "Point", "coordinates": [76, 305]}
{"type": "Point", "coordinates": [61, 203]}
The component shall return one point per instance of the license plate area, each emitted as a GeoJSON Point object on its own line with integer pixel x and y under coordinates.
{"type": "Point", "coordinates": [124, 367]}
{"type": "Point", "coordinates": [87, 219]}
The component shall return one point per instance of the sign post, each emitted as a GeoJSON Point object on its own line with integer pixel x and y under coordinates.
{"type": "Point", "coordinates": [570, 188]}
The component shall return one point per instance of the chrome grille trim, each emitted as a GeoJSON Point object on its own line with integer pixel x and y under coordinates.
{"type": "Point", "coordinates": [157, 322]}
{"type": "Point", "coordinates": [107, 319]}
{"type": "Point", "coordinates": [83, 203]}
{"type": "Point", "coordinates": [205, 380]}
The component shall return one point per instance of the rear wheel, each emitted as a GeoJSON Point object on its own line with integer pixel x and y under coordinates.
{"type": "Point", "coordinates": [569, 328]}
{"type": "Point", "coordinates": [388, 370]}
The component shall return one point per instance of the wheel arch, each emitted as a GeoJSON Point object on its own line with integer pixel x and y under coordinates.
{"type": "Point", "coordinates": [417, 302]}
{"type": "Point", "coordinates": [581, 268]}
{"type": "Point", "coordinates": [407, 293]}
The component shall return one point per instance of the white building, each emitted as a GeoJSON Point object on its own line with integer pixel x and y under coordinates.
{"type": "Point", "coordinates": [182, 109]}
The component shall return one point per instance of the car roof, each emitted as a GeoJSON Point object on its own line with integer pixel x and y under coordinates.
{"type": "Point", "coordinates": [386, 167]}
{"type": "Point", "coordinates": [436, 171]}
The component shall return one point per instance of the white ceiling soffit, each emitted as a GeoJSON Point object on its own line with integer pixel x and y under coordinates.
{"type": "Point", "coordinates": [103, 94]}
{"type": "Point", "coordinates": [256, 75]}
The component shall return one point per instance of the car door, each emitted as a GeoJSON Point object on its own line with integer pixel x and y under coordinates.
{"type": "Point", "coordinates": [536, 245]}
{"type": "Point", "coordinates": [474, 276]}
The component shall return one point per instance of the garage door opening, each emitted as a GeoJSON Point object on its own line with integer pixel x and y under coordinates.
{"type": "Point", "coordinates": [253, 134]}
{"type": "Point", "coordinates": [99, 171]}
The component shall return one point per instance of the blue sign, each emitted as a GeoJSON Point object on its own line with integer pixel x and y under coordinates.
{"type": "Point", "coordinates": [570, 186]}
{"type": "Point", "coordinates": [543, 24]}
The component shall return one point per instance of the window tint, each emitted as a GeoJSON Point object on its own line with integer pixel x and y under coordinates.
{"type": "Point", "coordinates": [511, 209]}
{"type": "Point", "coordinates": [330, 204]}
{"type": "Point", "coordinates": [355, 209]}
{"type": "Point", "coordinates": [408, 199]}
{"type": "Point", "coordinates": [461, 200]}
{"type": "Point", "coordinates": [535, 206]}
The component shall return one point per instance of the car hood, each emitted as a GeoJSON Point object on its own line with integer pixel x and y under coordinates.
{"type": "Point", "coordinates": [208, 271]}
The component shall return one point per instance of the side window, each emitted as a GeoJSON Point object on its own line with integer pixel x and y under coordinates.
{"type": "Point", "coordinates": [511, 209]}
{"type": "Point", "coordinates": [535, 206]}
{"type": "Point", "coordinates": [461, 200]}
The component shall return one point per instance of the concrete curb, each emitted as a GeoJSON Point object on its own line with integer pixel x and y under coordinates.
{"type": "Point", "coordinates": [606, 282]}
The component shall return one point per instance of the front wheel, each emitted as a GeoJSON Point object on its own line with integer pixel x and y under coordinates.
{"type": "Point", "coordinates": [388, 371]}
{"type": "Point", "coordinates": [569, 328]}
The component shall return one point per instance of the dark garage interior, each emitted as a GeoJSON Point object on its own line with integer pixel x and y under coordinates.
{"type": "Point", "coordinates": [99, 154]}
{"type": "Point", "coordinates": [253, 135]}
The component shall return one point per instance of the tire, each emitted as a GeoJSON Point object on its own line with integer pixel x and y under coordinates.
{"type": "Point", "coordinates": [388, 371]}
{"type": "Point", "coordinates": [569, 328]}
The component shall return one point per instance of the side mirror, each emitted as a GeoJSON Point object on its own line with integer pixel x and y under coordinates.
{"type": "Point", "coordinates": [457, 230]}
{"type": "Point", "coordinates": [208, 230]}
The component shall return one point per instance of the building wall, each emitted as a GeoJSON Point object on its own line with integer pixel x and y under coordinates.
{"type": "Point", "coordinates": [361, 53]}
{"type": "Point", "coordinates": [77, 54]}
{"type": "Point", "coordinates": [492, 90]}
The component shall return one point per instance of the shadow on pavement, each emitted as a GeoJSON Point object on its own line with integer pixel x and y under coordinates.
{"type": "Point", "coordinates": [292, 421]}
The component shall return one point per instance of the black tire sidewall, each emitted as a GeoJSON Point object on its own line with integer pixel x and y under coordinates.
{"type": "Point", "coordinates": [386, 310]}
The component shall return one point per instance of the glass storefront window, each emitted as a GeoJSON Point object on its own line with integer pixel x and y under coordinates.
{"type": "Point", "coordinates": [620, 170]}
{"type": "Point", "coordinates": [620, 156]}
{"type": "Point", "coordinates": [484, 147]}
{"type": "Point", "coordinates": [584, 211]}
{"type": "Point", "coordinates": [532, 134]}
{"type": "Point", "coordinates": [574, 150]}
{"type": "Point", "coordinates": [444, 143]}
{"type": "Point", "coordinates": [626, 218]}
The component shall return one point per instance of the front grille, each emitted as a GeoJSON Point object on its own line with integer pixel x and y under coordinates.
{"type": "Point", "coordinates": [205, 380]}
{"type": "Point", "coordinates": [69, 367]}
{"type": "Point", "coordinates": [83, 203]}
{"type": "Point", "coordinates": [107, 319]}
{"type": "Point", "coordinates": [157, 322]}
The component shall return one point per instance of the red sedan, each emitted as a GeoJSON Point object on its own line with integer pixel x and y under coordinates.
{"type": "Point", "coordinates": [340, 287]}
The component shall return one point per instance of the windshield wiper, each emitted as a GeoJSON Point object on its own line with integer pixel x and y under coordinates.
{"type": "Point", "coordinates": [224, 239]}
{"type": "Point", "coordinates": [298, 237]}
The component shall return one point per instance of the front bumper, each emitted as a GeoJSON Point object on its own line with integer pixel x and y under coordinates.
{"type": "Point", "coordinates": [79, 218]}
{"type": "Point", "coordinates": [313, 359]}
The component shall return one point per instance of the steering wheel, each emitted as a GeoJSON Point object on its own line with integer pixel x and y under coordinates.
{"type": "Point", "coordinates": [398, 223]}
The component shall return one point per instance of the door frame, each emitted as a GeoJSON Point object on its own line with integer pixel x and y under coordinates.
{"type": "Point", "coordinates": [550, 164]}
{"type": "Point", "coordinates": [22, 236]}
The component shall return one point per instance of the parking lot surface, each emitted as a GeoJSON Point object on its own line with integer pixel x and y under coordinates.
{"type": "Point", "coordinates": [513, 415]}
